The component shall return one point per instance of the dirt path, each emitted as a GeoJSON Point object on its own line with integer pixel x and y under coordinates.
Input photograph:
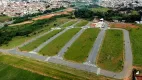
{"type": "Point", "coordinates": [66, 11]}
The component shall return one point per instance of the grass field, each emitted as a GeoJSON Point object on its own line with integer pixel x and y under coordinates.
{"type": "Point", "coordinates": [37, 69]}
{"type": "Point", "coordinates": [136, 41]}
{"type": "Point", "coordinates": [19, 40]}
{"type": "Point", "coordinates": [111, 53]}
{"type": "Point", "coordinates": [4, 18]}
{"type": "Point", "coordinates": [8, 72]}
{"type": "Point", "coordinates": [81, 23]}
{"type": "Point", "coordinates": [36, 43]}
{"type": "Point", "coordinates": [80, 49]}
{"type": "Point", "coordinates": [55, 46]}
{"type": "Point", "coordinates": [69, 24]}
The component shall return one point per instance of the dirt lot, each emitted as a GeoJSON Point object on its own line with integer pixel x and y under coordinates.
{"type": "Point", "coordinates": [122, 25]}
{"type": "Point", "coordinates": [26, 22]}
{"type": "Point", "coordinates": [49, 15]}
{"type": "Point", "coordinates": [45, 17]}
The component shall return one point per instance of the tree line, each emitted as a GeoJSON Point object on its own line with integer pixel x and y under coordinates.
{"type": "Point", "coordinates": [7, 33]}
{"type": "Point", "coordinates": [109, 15]}
{"type": "Point", "coordinates": [30, 16]}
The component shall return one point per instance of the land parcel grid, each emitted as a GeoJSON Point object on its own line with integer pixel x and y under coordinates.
{"type": "Point", "coordinates": [80, 49]}
{"type": "Point", "coordinates": [36, 43]}
{"type": "Point", "coordinates": [81, 23]}
{"type": "Point", "coordinates": [53, 48]}
{"type": "Point", "coordinates": [111, 53]}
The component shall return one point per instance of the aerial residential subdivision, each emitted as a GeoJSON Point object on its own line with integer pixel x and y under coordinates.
{"type": "Point", "coordinates": [70, 40]}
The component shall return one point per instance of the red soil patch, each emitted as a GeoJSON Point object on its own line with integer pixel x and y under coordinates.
{"type": "Point", "coordinates": [45, 17]}
{"type": "Point", "coordinates": [122, 25]}
{"type": "Point", "coordinates": [51, 15]}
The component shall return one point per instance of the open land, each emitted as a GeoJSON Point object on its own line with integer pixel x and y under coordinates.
{"type": "Point", "coordinates": [112, 52]}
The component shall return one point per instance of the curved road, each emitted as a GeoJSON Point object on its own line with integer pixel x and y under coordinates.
{"type": "Point", "coordinates": [123, 74]}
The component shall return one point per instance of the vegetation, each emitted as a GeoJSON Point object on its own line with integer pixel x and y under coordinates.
{"type": "Point", "coordinates": [55, 46]}
{"type": "Point", "coordinates": [36, 43]}
{"type": "Point", "coordinates": [84, 13]}
{"type": "Point", "coordinates": [15, 42]}
{"type": "Point", "coordinates": [136, 41]}
{"type": "Point", "coordinates": [80, 49]}
{"type": "Point", "coordinates": [69, 24]}
{"type": "Point", "coordinates": [11, 73]}
{"type": "Point", "coordinates": [109, 14]}
{"type": "Point", "coordinates": [21, 39]}
{"type": "Point", "coordinates": [4, 18]}
{"type": "Point", "coordinates": [30, 16]}
{"type": "Point", "coordinates": [112, 53]}
{"type": "Point", "coordinates": [82, 23]}
{"type": "Point", "coordinates": [7, 33]}
{"type": "Point", "coordinates": [49, 70]}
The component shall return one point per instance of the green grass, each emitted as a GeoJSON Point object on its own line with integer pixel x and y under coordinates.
{"type": "Point", "coordinates": [4, 18]}
{"type": "Point", "coordinates": [81, 23]}
{"type": "Point", "coordinates": [80, 49]}
{"type": "Point", "coordinates": [38, 68]}
{"type": "Point", "coordinates": [111, 53]}
{"type": "Point", "coordinates": [14, 42]}
{"type": "Point", "coordinates": [55, 46]}
{"type": "Point", "coordinates": [69, 24]}
{"type": "Point", "coordinates": [19, 40]}
{"type": "Point", "coordinates": [8, 72]}
{"type": "Point", "coordinates": [136, 41]}
{"type": "Point", "coordinates": [36, 43]}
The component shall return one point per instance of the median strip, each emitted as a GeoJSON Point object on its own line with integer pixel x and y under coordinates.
{"type": "Point", "coordinates": [80, 49]}
{"type": "Point", "coordinates": [54, 47]}
{"type": "Point", "coordinates": [36, 43]}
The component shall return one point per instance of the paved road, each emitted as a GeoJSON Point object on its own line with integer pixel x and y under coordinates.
{"type": "Point", "coordinates": [49, 40]}
{"type": "Point", "coordinates": [93, 53]}
{"type": "Point", "coordinates": [128, 60]}
{"type": "Point", "coordinates": [33, 39]}
{"type": "Point", "coordinates": [65, 48]}
{"type": "Point", "coordinates": [40, 36]}
{"type": "Point", "coordinates": [124, 73]}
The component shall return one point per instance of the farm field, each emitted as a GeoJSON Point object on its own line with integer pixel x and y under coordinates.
{"type": "Point", "coordinates": [53, 48]}
{"type": "Point", "coordinates": [36, 43]}
{"type": "Point", "coordinates": [19, 40]}
{"type": "Point", "coordinates": [112, 52]}
{"type": "Point", "coordinates": [21, 68]}
{"type": "Point", "coordinates": [80, 49]}
{"type": "Point", "coordinates": [4, 18]}
{"type": "Point", "coordinates": [136, 41]}
{"type": "Point", "coordinates": [81, 23]}
{"type": "Point", "coordinates": [69, 24]}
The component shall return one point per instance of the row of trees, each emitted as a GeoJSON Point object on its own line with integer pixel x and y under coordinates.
{"type": "Point", "coordinates": [7, 33]}
{"type": "Point", "coordinates": [109, 15]}
{"type": "Point", "coordinates": [30, 16]}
